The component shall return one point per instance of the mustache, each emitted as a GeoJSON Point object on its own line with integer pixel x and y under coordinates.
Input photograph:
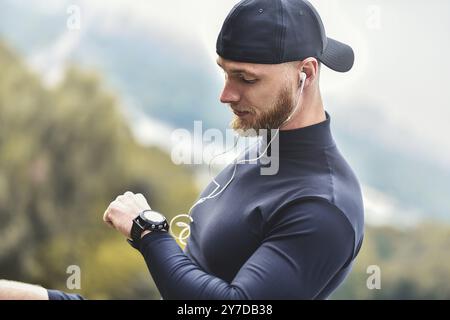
{"type": "Point", "coordinates": [241, 109]}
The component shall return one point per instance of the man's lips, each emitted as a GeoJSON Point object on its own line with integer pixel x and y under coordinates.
{"type": "Point", "coordinates": [241, 113]}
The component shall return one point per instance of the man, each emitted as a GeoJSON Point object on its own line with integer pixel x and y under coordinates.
{"type": "Point", "coordinates": [290, 235]}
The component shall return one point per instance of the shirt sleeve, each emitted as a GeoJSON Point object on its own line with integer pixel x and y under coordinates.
{"type": "Point", "coordinates": [305, 245]}
{"type": "Point", "coordinates": [60, 295]}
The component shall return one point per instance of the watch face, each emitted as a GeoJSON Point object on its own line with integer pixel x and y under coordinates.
{"type": "Point", "coordinates": [153, 216]}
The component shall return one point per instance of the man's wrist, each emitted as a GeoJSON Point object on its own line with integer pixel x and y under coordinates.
{"type": "Point", "coordinates": [145, 232]}
{"type": "Point", "coordinates": [12, 290]}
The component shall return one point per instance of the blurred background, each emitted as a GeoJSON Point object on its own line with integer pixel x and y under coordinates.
{"type": "Point", "coordinates": [90, 92]}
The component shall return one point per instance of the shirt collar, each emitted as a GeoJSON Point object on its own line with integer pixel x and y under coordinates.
{"type": "Point", "coordinates": [317, 136]}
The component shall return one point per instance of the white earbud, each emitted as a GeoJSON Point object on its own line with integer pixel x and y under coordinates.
{"type": "Point", "coordinates": [302, 77]}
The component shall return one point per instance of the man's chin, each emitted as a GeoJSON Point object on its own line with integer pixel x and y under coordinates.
{"type": "Point", "coordinates": [244, 129]}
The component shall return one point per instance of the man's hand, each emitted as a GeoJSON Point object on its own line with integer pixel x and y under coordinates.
{"type": "Point", "coordinates": [123, 210]}
{"type": "Point", "coordinates": [11, 290]}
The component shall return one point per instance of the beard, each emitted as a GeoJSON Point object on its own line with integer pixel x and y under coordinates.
{"type": "Point", "coordinates": [271, 118]}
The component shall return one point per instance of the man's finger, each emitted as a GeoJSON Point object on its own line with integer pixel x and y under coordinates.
{"type": "Point", "coordinates": [105, 215]}
{"type": "Point", "coordinates": [130, 200]}
{"type": "Point", "coordinates": [129, 194]}
{"type": "Point", "coordinates": [106, 218]}
{"type": "Point", "coordinates": [120, 198]}
{"type": "Point", "coordinates": [127, 200]}
{"type": "Point", "coordinates": [107, 221]}
{"type": "Point", "coordinates": [109, 212]}
{"type": "Point", "coordinates": [141, 200]}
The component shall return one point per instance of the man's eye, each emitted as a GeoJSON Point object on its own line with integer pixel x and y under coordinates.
{"type": "Point", "coordinates": [248, 81]}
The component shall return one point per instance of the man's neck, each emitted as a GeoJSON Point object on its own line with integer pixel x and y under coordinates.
{"type": "Point", "coordinates": [311, 112]}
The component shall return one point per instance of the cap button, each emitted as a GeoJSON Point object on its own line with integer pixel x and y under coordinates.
{"type": "Point", "coordinates": [261, 10]}
{"type": "Point", "coordinates": [302, 13]}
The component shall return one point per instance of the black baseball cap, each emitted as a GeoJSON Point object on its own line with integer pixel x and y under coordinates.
{"type": "Point", "coordinates": [277, 31]}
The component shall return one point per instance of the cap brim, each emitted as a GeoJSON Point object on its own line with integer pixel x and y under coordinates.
{"type": "Point", "coordinates": [338, 56]}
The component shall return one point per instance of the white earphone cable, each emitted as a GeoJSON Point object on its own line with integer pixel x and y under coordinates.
{"type": "Point", "coordinates": [186, 227]}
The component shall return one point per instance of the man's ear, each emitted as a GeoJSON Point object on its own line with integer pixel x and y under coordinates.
{"type": "Point", "coordinates": [310, 66]}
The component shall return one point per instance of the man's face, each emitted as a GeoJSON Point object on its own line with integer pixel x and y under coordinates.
{"type": "Point", "coordinates": [261, 96]}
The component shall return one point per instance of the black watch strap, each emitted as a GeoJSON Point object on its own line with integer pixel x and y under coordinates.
{"type": "Point", "coordinates": [137, 228]}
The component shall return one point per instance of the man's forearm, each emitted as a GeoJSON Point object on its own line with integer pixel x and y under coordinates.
{"type": "Point", "coordinates": [12, 290]}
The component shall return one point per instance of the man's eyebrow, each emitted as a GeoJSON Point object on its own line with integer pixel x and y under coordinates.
{"type": "Point", "coordinates": [234, 71]}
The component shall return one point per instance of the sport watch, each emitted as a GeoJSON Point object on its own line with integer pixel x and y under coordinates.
{"type": "Point", "coordinates": [147, 220]}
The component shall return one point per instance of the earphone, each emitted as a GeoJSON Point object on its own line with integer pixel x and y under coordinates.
{"type": "Point", "coordinates": [182, 235]}
{"type": "Point", "coordinates": [303, 77]}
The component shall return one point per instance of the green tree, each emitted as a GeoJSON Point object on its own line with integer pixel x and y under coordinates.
{"type": "Point", "coordinates": [65, 154]}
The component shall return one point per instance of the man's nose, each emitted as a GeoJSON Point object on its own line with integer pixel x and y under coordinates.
{"type": "Point", "coordinates": [229, 94]}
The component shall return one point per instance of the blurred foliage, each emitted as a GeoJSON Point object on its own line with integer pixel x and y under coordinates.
{"type": "Point", "coordinates": [414, 264]}
{"type": "Point", "coordinates": [65, 154]}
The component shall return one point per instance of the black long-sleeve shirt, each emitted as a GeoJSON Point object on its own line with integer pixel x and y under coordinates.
{"type": "Point", "coordinates": [291, 235]}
